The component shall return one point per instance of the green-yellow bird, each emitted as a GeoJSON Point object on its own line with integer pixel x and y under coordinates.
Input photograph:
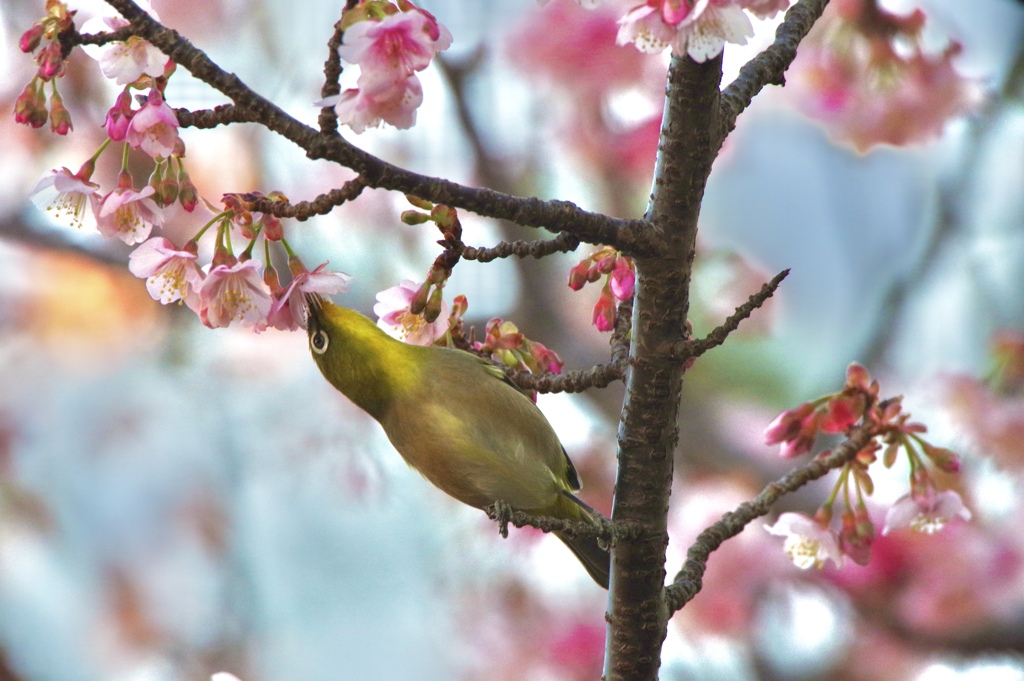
{"type": "Point", "coordinates": [456, 419]}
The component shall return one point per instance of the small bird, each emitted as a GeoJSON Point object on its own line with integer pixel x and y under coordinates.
{"type": "Point", "coordinates": [457, 419]}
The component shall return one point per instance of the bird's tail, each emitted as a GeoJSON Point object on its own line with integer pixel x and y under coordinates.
{"type": "Point", "coordinates": [596, 559]}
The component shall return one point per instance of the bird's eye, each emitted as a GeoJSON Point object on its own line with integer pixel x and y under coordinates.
{"type": "Point", "coordinates": [319, 341]}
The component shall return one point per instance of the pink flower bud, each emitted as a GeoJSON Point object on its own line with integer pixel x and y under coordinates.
{"type": "Point", "coordinates": [622, 279]}
{"type": "Point", "coordinates": [604, 310]}
{"type": "Point", "coordinates": [60, 118]}
{"type": "Point", "coordinates": [945, 459]}
{"type": "Point", "coordinates": [119, 117]}
{"type": "Point", "coordinates": [31, 38]}
{"type": "Point", "coordinates": [51, 61]}
{"type": "Point", "coordinates": [578, 275]}
{"type": "Point", "coordinates": [786, 425]}
{"type": "Point", "coordinates": [30, 106]}
{"type": "Point", "coordinates": [187, 194]}
{"type": "Point", "coordinates": [606, 264]}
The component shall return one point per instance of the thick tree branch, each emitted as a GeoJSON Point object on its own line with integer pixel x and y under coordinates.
{"type": "Point", "coordinates": [688, 581]}
{"type": "Point", "coordinates": [690, 137]}
{"type": "Point", "coordinates": [768, 67]}
{"type": "Point", "coordinates": [630, 236]}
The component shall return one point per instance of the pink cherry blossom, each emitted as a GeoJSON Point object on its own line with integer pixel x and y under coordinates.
{"type": "Point", "coordinates": [927, 512]}
{"type": "Point", "coordinates": [361, 109]}
{"type": "Point", "coordinates": [698, 28]}
{"type": "Point", "coordinates": [808, 543]}
{"type": "Point", "coordinates": [291, 308]}
{"type": "Point", "coordinates": [394, 47]}
{"type": "Point", "coordinates": [124, 62]}
{"type": "Point", "coordinates": [234, 292]}
{"type": "Point", "coordinates": [866, 76]}
{"type": "Point", "coordinates": [127, 214]}
{"type": "Point", "coordinates": [65, 195]}
{"type": "Point", "coordinates": [575, 49]}
{"type": "Point", "coordinates": [764, 9]}
{"type": "Point", "coordinates": [154, 127]}
{"type": "Point", "coordinates": [389, 52]}
{"type": "Point", "coordinates": [392, 310]}
{"type": "Point", "coordinates": [171, 273]}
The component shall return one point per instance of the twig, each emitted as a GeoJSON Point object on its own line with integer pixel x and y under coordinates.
{"type": "Point", "coordinates": [303, 210]}
{"type": "Point", "coordinates": [597, 376]}
{"type": "Point", "coordinates": [768, 67]}
{"type": "Point", "coordinates": [562, 243]}
{"type": "Point", "coordinates": [219, 115]}
{"type": "Point", "coordinates": [328, 119]}
{"type": "Point", "coordinates": [689, 349]}
{"type": "Point", "coordinates": [688, 581]}
{"type": "Point", "coordinates": [598, 526]}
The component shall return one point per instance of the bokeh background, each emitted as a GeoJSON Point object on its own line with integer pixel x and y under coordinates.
{"type": "Point", "coordinates": [176, 501]}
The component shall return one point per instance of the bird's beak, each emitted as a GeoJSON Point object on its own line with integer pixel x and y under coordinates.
{"type": "Point", "coordinates": [314, 320]}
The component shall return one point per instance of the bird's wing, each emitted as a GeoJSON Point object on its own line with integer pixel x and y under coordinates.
{"type": "Point", "coordinates": [572, 477]}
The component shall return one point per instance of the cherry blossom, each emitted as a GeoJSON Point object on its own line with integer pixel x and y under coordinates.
{"type": "Point", "coordinates": [154, 127]}
{"type": "Point", "coordinates": [698, 28]}
{"type": "Point", "coordinates": [865, 75]}
{"type": "Point", "coordinates": [234, 292]}
{"type": "Point", "coordinates": [394, 317]}
{"type": "Point", "coordinates": [65, 195]}
{"type": "Point", "coordinates": [125, 62]}
{"type": "Point", "coordinates": [361, 109]}
{"type": "Point", "coordinates": [291, 307]}
{"type": "Point", "coordinates": [389, 51]}
{"type": "Point", "coordinates": [171, 273]}
{"type": "Point", "coordinates": [808, 543]}
{"type": "Point", "coordinates": [127, 214]}
{"type": "Point", "coordinates": [926, 512]}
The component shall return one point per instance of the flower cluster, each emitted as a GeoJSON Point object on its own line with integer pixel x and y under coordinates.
{"type": "Point", "coordinates": [390, 43]}
{"type": "Point", "coordinates": [30, 106]}
{"type": "Point", "coordinates": [230, 288]}
{"type": "Point", "coordinates": [619, 276]}
{"type": "Point", "coordinates": [698, 28]}
{"type": "Point", "coordinates": [864, 73]}
{"type": "Point", "coordinates": [988, 412]}
{"type": "Point", "coordinates": [811, 541]}
{"type": "Point", "coordinates": [403, 314]}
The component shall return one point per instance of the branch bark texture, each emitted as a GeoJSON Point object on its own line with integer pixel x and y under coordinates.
{"type": "Point", "coordinates": [648, 434]}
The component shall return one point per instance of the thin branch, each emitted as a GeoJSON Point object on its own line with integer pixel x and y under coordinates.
{"type": "Point", "coordinates": [689, 580]}
{"type": "Point", "coordinates": [598, 376]}
{"type": "Point", "coordinates": [622, 333]}
{"type": "Point", "coordinates": [768, 67]}
{"type": "Point", "coordinates": [332, 76]}
{"type": "Point", "coordinates": [598, 526]}
{"type": "Point", "coordinates": [563, 243]}
{"type": "Point", "coordinates": [690, 349]}
{"type": "Point", "coordinates": [630, 236]}
{"type": "Point", "coordinates": [219, 115]}
{"type": "Point", "coordinates": [303, 210]}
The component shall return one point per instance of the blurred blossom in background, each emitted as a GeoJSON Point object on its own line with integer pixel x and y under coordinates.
{"type": "Point", "coordinates": [177, 501]}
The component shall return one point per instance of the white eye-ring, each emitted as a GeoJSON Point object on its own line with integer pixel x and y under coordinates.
{"type": "Point", "coordinates": [319, 341]}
